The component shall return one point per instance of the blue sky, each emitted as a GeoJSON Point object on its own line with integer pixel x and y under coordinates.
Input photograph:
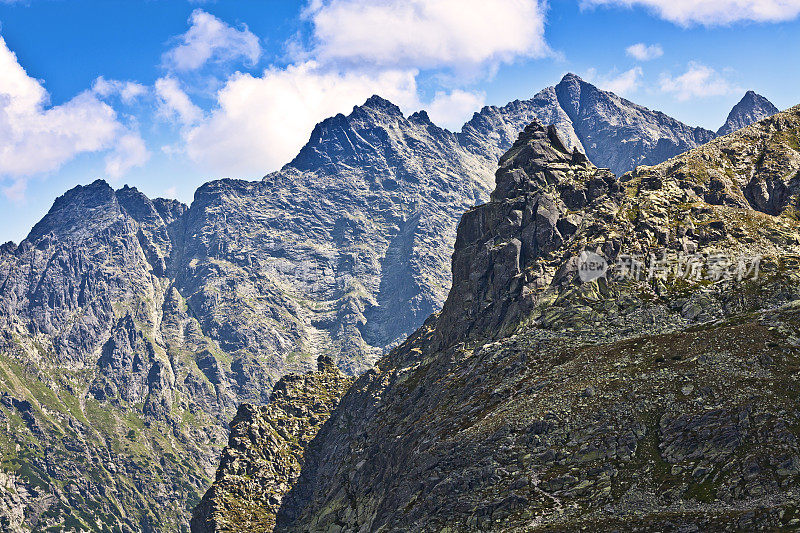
{"type": "Point", "coordinates": [167, 94]}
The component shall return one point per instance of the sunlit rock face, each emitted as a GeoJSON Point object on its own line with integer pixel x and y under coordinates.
{"type": "Point", "coordinates": [133, 328]}
{"type": "Point", "coordinates": [538, 401]}
{"type": "Point", "coordinates": [750, 109]}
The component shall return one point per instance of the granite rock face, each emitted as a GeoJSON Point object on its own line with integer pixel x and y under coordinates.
{"type": "Point", "coordinates": [135, 327]}
{"type": "Point", "coordinates": [131, 329]}
{"type": "Point", "coordinates": [98, 380]}
{"type": "Point", "coordinates": [613, 132]}
{"type": "Point", "coordinates": [750, 109]}
{"type": "Point", "coordinates": [541, 400]}
{"type": "Point", "coordinates": [265, 451]}
{"type": "Point", "coordinates": [505, 249]}
{"type": "Point", "coordinates": [348, 240]}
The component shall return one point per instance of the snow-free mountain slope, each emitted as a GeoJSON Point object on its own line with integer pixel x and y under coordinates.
{"type": "Point", "coordinates": [540, 400]}
{"type": "Point", "coordinates": [750, 109]}
{"type": "Point", "coordinates": [132, 328]}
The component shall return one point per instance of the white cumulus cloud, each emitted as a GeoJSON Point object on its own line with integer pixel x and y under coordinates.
{"type": "Point", "coordinates": [457, 34]}
{"type": "Point", "coordinates": [699, 81]}
{"type": "Point", "coordinates": [210, 39]}
{"type": "Point", "coordinates": [36, 138]}
{"type": "Point", "coordinates": [621, 83]}
{"type": "Point", "coordinates": [357, 48]}
{"type": "Point", "coordinates": [711, 12]}
{"type": "Point", "coordinates": [451, 110]}
{"type": "Point", "coordinates": [173, 102]}
{"type": "Point", "coordinates": [260, 123]}
{"type": "Point", "coordinates": [644, 52]}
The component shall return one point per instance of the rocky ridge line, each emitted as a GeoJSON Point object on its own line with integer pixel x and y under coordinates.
{"type": "Point", "coordinates": [615, 403]}
{"type": "Point", "coordinates": [265, 451]}
{"type": "Point", "coordinates": [133, 327]}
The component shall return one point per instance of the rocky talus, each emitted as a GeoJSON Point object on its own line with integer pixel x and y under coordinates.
{"type": "Point", "coordinates": [132, 328]}
{"type": "Point", "coordinates": [265, 451]}
{"type": "Point", "coordinates": [545, 399]}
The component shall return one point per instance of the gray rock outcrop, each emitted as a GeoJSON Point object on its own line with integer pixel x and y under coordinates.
{"type": "Point", "coordinates": [131, 328]}
{"type": "Point", "coordinates": [750, 109]}
{"type": "Point", "coordinates": [537, 401]}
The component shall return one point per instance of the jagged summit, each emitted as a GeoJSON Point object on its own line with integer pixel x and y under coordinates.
{"type": "Point", "coordinates": [75, 211]}
{"type": "Point", "coordinates": [379, 103]}
{"type": "Point", "coordinates": [421, 117]}
{"type": "Point", "coordinates": [96, 192]}
{"type": "Point", "coordinates": [541, 400]}
{"type": "Point", "coordinates": [87, 210]}
{"type": "Point", "coordinates": [507, 250]}
{"type": "Point", "coordinates": [571, 77]}
{"type": "Point", "coordinates": [349, 139]}
{"type": "Point", "coordinates": [540, 152]}
{"type": "Point", "coordinates": [750, 109]}
{"type": "Point", "coordinates": [8, 247]}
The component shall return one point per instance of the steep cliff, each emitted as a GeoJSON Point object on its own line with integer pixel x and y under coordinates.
{"type": "Point", "coordinates": [266, 451]}
{"type": "Point", "coordinates": [132, 328]}
{"type": "Point", "coordinates": [656, 392]}
{"type": "Point", "coordinates": [750, 109]}
{"type": "Point", "coordinates": [103, 371]}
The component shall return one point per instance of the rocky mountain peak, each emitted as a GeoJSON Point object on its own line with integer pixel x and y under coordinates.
{"type": "Point", "coordinates": [136, 204]}
{"type": "Point", "coordinates": [571, 78]}
{"type": "Point", "coordinates": [528, 165]}
{"type": "Point", "coordinates": [78, 211]}
{"type": "Point", "coordinates": [653, 400]}
{"type": "Point", "coordinates": [750, 109]}
{"type": "Point", "coordinates": [508, 249]}
{"type": "Point", "coordinates": [381, 104]}
{"type": "Point", "coordinates": [345, 139]}
{"type": "Point", "coordinates": [421, 117]}
{"type": "Point", "coordinates": [570, 89]}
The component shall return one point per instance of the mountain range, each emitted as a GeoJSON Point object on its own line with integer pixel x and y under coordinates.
{"type": "Point", "coordinates": [615, 354]}
{"type": "Point", "coordinates": [132, 328]}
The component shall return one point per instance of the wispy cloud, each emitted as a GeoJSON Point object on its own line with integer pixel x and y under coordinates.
{"type": "Point", "coordinates": [128, 91]}
{"type": "Point", "coordinates": [211, 40]}
{"type": "Point", "coordinates": [130, 152]}
{"type": "Point", "coordinates": [36, 138]}
{"type": "Point", "coordinates": [711, 12]}
{"type": "Point", "coordinates": [174, 103]}
{"type": "Point", "coordinates": [644, 52]}
{"type": "Point", "coordinates": [699, 81]}
{"type": "Point", "coordinates": [453, 34]}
